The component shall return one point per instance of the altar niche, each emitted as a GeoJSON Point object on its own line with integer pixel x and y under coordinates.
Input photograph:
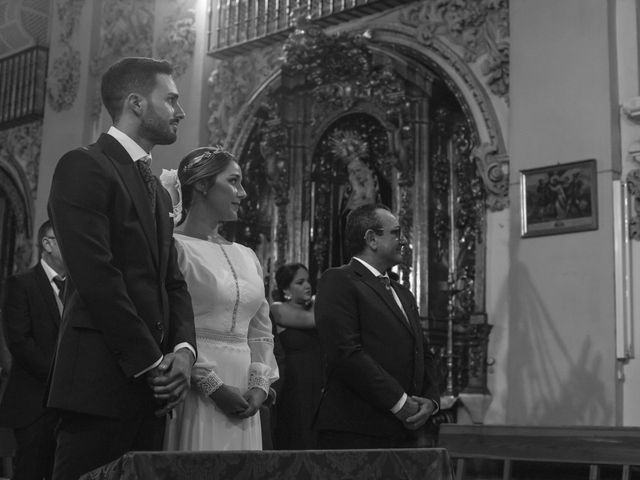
{"type": "Point", "coordinates": [347, 171]}
{"type": "Point", "coordinates": [348, 122]}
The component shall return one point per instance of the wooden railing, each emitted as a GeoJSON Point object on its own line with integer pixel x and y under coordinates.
{"type": "Point", "coordinates": [237, 22]}
{"type": "Point", "coordinates": [547, 453]}
{"type": "Point", "coordinates": [22, 86]}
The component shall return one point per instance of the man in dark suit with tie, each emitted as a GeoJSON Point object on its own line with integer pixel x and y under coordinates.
{"type": "Point", "coordinates": [31, 317]}
{"type": "Point", "coordinates": [127, 340]}
{"type": "Point", "coordinates": [382, 385]}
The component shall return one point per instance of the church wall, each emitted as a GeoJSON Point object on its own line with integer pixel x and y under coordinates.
{"type": "Point", "coordinates": [628, 88]}
{"type": "Point", "coordinates": [561, 348]}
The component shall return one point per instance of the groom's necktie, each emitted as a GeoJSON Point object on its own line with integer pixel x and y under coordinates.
{"type": "Point", "coordinates": [148, 178]}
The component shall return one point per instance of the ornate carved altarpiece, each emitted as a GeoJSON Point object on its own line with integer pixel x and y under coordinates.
{"type": "Point", "coordinates": [350, 121]}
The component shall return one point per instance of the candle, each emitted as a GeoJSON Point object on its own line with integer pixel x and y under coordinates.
{"type": "Point", "coordinates": [452, 222]}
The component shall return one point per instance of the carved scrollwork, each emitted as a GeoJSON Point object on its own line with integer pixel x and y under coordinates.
{"type": "Point", "coordinates": [494, 171]}
{"type": "Point", "coordinates": [64, 78]}
{"type": "Point", "coordinates": [478, 338]}
{"type": "Point", "coordinates": [231, 84]}
{"type": "Point", "coordinates": [479, 28]}
{"type": "Point", "coordinates": [633, 185]}
{"type": "Point", "coordinates": [177, 41]}
{"type": "Point", "coordinates": [20, 152]}
{"type": "Point", "coordinates": [273, 147]}
{"type": "Point", "coordinates": [469, 216]}
{"type": "Point", "coordinates": [23, 144]}
{"type": "Point", "coordinates": [342, 74]}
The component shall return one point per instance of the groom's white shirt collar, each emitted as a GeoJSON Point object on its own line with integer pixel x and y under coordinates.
{"type": "Point", "coordinates": [135, 151]}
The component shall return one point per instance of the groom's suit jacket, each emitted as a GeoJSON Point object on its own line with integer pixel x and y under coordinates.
{"type": "Point", "coordinates": [374, 353]}
{"type": "Point", "coordinates": [127, 303]}
{"type": "Point", "coordinates": [31, 319]}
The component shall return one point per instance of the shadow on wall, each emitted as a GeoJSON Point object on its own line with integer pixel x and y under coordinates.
{"type": "Point", "coordinates": [547, 383]}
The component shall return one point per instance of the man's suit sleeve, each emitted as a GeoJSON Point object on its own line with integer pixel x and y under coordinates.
{"type": "Point", "coordinates": [18, 328]}
{"type": "Point", "coordinates": [80, 207]}
{"type": "Point", "coordinates": [338, 325]}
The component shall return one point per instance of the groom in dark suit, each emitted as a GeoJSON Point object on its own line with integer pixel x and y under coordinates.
{"type": "Point", "coordinates": [31, 318]}
{"type": "Point", "coordinates": [127, 341]}
{"type": "Point", "coordinates": [381, 386]}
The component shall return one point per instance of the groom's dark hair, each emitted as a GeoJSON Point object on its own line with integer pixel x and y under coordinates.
{"type": "Point", "coordinates": [129, 75]}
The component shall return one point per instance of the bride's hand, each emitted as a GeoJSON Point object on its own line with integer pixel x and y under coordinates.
{"type": "Point", "coordinates": [230, 401]}
{"type": "Point", "coordinates": [255, 398]}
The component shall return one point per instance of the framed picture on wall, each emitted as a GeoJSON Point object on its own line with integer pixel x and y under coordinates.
{"type": "Point", "coordinates": [559, 198]}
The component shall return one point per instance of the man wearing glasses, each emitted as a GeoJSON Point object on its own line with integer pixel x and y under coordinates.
{"type": "Point", "coordinates": [381, 386]}
{"type": "Point", "coordinates": [32, 309]}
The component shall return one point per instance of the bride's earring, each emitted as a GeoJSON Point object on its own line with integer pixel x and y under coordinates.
{"type": "Point", "coordinates": [287, 297]}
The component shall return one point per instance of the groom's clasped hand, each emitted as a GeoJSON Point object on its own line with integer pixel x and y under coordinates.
{"type": "Point", "coordinates": [171, 379]}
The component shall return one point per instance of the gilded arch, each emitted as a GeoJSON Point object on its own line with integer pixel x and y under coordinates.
{"type": "Point", "coordinates": [280, 118]}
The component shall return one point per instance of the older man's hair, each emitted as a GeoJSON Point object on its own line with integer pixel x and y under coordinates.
{"type": "Point", "coordinates": [360, 220]}
{"type": "Point", "coordinates": [43, 231]}
{"type": "Point", "coordinates": [130, 75]}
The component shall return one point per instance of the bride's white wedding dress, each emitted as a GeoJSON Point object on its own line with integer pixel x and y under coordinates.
{"type": "Point", "coordinates": [234, 341]}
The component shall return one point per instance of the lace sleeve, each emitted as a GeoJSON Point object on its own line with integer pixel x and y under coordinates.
{"type": "Point", "coordinates": [209, 383]}
{"type": "Point", "coordinates": [263, 370]}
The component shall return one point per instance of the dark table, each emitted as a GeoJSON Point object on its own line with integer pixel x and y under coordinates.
{"type": "Point", "coordinates": [405, 464]}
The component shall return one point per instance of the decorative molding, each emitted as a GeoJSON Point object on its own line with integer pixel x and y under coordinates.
{"type": "Point", "coordinates": [633, 185]}
{"type": "Point", "coordinates": [23, 24]}
{"type": "Point", "coordinates": [456, 74]}
{"type": "Point", "coordinates": [20, 151]}
{"type": "Point", "coordinates": [231, 85]}
{"type": "Point", "coordinates": [494, 171]}
{"type": "Point", "coordinates": [344, 75]}
{"type": "Point", "coordinates": [68, 13]}
{"type": "Point", "coordinates": [64, 79]}
{"type": "Point", "coordinates": [469, 217]}
{"type": "Point", "coordinates": [273, 148]}
{"type": "Point", "coordinates": [64, 75]}
{"type": "Point", "coordinates": [23, 144]}
{"type": "Point", "coordinates": [478, 28]}
{"type": "Point", "coordinates": [274, 140]}
{"type": "Point", "coordinates": [176, 43]}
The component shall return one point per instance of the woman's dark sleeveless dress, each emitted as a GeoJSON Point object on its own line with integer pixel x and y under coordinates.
{"type": "Point", "coordinates": [300, 394]}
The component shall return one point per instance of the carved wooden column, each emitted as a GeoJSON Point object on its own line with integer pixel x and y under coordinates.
{"type": "Point", "coordinates": [298, 240]}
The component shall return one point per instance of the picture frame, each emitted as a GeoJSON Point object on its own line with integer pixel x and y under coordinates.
{"type": "Point", "coordinates": [560, 198]}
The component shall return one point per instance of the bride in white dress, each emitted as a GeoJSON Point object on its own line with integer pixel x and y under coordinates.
{"type": "Point", "coordinates": [235, 366]}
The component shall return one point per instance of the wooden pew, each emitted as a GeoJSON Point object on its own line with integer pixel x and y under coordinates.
{"type": "Point", "coordinates": [592, 446]}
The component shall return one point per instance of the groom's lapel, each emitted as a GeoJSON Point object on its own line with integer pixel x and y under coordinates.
{"type": "Point", "coordinates": [135, 186]}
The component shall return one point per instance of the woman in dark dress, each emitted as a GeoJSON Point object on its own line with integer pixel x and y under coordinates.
{"type": "Point", "coordinates": [293, 314]}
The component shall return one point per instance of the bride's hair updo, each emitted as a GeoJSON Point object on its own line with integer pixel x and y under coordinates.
{"type": "Point", "coordinates": [201, 164]}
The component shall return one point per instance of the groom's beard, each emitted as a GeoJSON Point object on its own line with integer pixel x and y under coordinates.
{"type": "Point", "coordinates": [157, 130]}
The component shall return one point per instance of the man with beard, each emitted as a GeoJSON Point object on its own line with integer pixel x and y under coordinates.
{"type": "Point", "coordinates": [382, 383]}
{"type": "Point", "coordinates": [127, 340]}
